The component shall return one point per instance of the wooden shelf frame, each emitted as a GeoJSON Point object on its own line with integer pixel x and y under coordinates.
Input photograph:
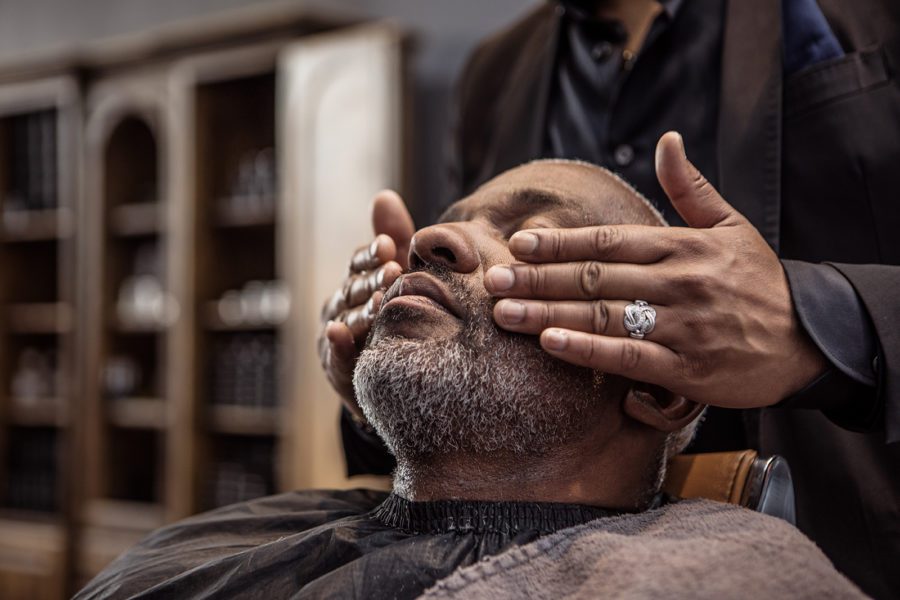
{"type": "Point", "coordinates": [91, 230]}
{"type": "Point", "coordinates": [126, 140]}
{"type": "Point", "coordinates": [45, 541]}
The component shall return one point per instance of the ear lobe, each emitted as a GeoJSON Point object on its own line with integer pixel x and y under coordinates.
{"type": "Point", "coordinates": [659, 408]}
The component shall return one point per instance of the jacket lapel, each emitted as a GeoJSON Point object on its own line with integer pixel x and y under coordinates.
{"type": "Point", "coordinates": [749, 135]}
{"type": "Point", "coordinates": [522, 108]}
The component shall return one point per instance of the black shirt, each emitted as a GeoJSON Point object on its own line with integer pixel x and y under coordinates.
{"type": "Point", "coordinates": [610, 108]}
{"type": "Point", "coordinates": [327, 544]}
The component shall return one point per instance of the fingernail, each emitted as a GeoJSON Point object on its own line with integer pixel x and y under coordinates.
{"type": "Point", "coordinates": [379, 279]}
{"type": "Point", "coordinates": [370, 305]}
{"type": "Point", "coordinates": [511, 311]}
{"type": "Point", "coordinates": [373, 248]}
{"type": "Point", "coordinates": [681, 144]}
{"type": "Point", "coordinates": [523, 243]}
{"type": "Point", "coordinates": [555, 339]}
{"type": "Point", "coordinates": [500, 278]}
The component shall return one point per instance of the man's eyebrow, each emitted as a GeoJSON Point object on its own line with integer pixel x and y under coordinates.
{"type": "Point", "coordinates": [524, 201]}
{"type": "Point", "coordinates": [533, 200]}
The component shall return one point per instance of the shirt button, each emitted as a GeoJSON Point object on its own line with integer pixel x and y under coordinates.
{"type": "Point", "coordinates": [623, 155]}
{"type": "Point", "coordinates": [602, 51]}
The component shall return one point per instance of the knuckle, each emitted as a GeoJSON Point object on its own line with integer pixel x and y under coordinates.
{"type": "Point", "coordinates": [589, 277]}
{"type": "Point", "coordinates": [606, 240]}
{"type": "Point", "coordinates": [534, 280]}
{"type": "Point", "coordinates": [700, 183]}
{"type": "Point", "coordinates": [693, 283]}
{"type": "Point", "coordinates": [556, 244]}
{"type": "Point", "coordinates": [347, 289]}
{"type": "Point", "coordinates": [546, 316]}
{"type": "Point", "coordinates": [372, 281]}
{"type": "Point", "coordinates": [588, 351]}
{"type": "Point", "coordinates": [694, 370]}
{"type": "Point", "coordinates": [693, 244]}
{"type": "Point", "coordinates": [600, 317]}
{"type": "Point", "coordinates": [630, 357]}
{"type": "Point", "coordinates": [691, 320]}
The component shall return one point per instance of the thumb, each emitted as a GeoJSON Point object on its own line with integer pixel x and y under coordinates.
{"type": "Point", "coordinates": [391, 217]}
{"type": "Point", "coordinates": [695, 199]}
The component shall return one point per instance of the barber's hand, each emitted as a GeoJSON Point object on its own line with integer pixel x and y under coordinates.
{"type": "Point", "coordinates": [347, 316]}
{"type": "Point", "coordinates": [726, 333]}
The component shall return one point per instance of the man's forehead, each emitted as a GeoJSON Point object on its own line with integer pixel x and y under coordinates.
{"type": "Point", "coordinates": [531, 192]}
{"type": "Point", "coordinates": [597, 196]}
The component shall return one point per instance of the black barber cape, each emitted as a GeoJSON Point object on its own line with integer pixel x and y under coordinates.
{"type": "Point", "coordinates": [326, 544]}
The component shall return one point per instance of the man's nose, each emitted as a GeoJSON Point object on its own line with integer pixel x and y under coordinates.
{"type": "Point", "coordinates": [443, 245]}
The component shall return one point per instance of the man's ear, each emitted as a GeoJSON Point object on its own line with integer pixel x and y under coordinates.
{"type": "Point", "coordinates": [659, 408]}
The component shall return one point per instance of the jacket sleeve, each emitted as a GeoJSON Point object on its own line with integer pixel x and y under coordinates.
{"type": "Point", "coordinates": [859, 334]}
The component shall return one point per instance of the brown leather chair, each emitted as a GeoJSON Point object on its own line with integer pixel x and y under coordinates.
{"type": "Point", "coordinates": [760, 484]}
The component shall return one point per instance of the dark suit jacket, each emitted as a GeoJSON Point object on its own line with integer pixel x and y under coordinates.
{"type": "Point", "coordinates": [814, 162]}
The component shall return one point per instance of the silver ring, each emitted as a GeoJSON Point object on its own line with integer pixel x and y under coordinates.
{"type": "Point", "coordinates": [640, 319]}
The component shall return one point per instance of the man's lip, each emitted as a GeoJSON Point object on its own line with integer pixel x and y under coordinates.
{"type": "Point", "coordinates": [425, 285]}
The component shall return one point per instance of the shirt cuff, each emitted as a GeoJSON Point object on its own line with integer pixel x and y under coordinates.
{"type": "Point", "coordinates": [839, 325]}
{"type": "Point", "coordinates": [835, 318]}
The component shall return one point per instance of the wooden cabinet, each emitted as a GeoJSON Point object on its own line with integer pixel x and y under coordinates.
{"type": "Point", "coordinates": [173, 211]}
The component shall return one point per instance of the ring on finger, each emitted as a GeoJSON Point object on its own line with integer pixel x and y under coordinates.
{"type": "Point", "coordinates": [640, 319]}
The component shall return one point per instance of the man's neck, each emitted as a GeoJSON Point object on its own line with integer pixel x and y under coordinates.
{"type": "Point", "coordinates": [636, 17]}
{"type": "Point", "coordinates": [610, 472]}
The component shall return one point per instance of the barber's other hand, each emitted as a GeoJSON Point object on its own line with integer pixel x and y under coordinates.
{"type": "Point", "coordinates": [726, 333]}
{"type": "Point", "coordinates": [347, 316]}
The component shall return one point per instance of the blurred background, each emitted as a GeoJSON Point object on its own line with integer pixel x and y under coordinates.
{"type": "Point", "coordinates": [181, 185]}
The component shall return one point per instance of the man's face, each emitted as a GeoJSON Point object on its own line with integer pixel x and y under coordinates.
{"type": "Point", "coordinates": [437, 375]}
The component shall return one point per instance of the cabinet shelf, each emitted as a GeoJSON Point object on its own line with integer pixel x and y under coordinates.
{"type": "Point", "coordinates": [136, 219]}
{"type": "Point", "coordinates": [39, 318]}
{"type": "Point", "coordinates": [137, 413]}
{"type": "Point", "coordinates": [213, 321]}
{"type": "Point", "coordinates": [129, 328]}
{"type": "Point", "coordinates": [35, 225]}
{"type": "Point", "coordinates": [39, 412]}
{"type": "Point", "coordinates": [230, 219]}
{"type": "Point", "coordinates": [243, 420]}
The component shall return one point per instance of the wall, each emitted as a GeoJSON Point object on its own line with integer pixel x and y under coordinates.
{"type": "Point", "coordinates": [446, 30]}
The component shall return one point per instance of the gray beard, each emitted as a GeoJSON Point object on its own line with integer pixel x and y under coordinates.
{"type": "Point", "coordinates": [483, 391]}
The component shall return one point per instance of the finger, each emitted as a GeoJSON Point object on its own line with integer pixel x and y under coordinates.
{"type": "Point", "coordinates": [339, 359]}
{"type": "Point", "coordinates": [619, 243]}
{"type": "Point", "coordinates": [361, 287]}
{"type": "Point", "coordinates": [335, 306]}
{"type": "Point", "coordinates": [692, 195]}
{"type": "Point", "coordinates": [600, 317]}
{"type": "Point", "coordinates": [343, 348]}
{"type": "Point", "coordinates": [641, 360]}
{"type": "Point", "coordinates": [391, 217]}
{"type": "Point", "coordinates": [588, 280]}
{"type": "Point", "coordinates": [359, 320]}
{"type": "Point", "coordinates": [381, 250]}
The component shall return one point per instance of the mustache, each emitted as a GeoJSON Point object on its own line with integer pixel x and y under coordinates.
{"type": "Point", "coordinates": [476, 307]}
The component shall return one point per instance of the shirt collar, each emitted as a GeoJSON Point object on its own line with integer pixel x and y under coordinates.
{"type": "Point", "coordinates": [463, 516]}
